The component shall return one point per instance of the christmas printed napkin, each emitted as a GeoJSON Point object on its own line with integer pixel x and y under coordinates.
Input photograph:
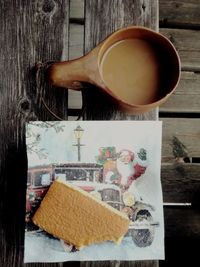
{"type": "Point", "coordinates": [118, 162]}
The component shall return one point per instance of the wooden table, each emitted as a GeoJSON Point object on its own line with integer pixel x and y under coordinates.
{"type": "Point", "coordinates": [39, 31]}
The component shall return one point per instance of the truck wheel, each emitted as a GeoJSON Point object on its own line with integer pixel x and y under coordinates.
{"type": "Point", "coordinates": [143, 237]}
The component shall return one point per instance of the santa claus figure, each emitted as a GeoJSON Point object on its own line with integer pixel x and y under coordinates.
{"type": "Point", "coordinates": [124, 170]}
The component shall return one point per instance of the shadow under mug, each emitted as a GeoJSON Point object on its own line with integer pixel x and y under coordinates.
{"type": "Point", "coordinates": [138, 67]}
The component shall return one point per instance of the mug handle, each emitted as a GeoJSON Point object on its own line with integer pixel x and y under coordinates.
{"type": "Point", "coordinates": [70, 74]}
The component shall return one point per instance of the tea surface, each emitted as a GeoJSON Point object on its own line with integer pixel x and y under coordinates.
{"type": "Point", "coordinates": [130, 69]}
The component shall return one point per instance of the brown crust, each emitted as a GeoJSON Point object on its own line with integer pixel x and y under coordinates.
{"type": "Point", "coordinates": [71, 214]}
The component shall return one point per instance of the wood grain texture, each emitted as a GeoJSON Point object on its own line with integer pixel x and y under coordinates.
{"type": "Point", "coordinates": [27, 35]}
{"type": "Point", "coordinates": [186, 97]}
{"type": "Point", "coordinates": [77, 9]}
{"type": "Point", "coordinates": [182, 222]}
{"type": "Point", "coordinates": [180, 138]}
{"type": "Point", "coordinates": [101, 19]}
{"type": "Point", "coordinates": [105, 17]}
{"type": "Point", "coordinates": [181, 183]}
{"type": "Point", "coordinates": [187, 43]}
{"type": "Point", "coordinates": [74, 100]}
{"type": "Point", "coordinates": [76, 40]}
{"type": "Point", "coordinates": [179, 13]}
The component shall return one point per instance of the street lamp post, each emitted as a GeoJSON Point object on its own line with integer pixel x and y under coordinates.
{"type": "Point", "coordinates": [78, 132]}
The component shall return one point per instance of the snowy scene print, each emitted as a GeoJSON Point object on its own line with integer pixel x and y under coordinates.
{"type": "Point", "coordinates": [122, 169]}
{"type": "Point", "coordinates": [116, 162]}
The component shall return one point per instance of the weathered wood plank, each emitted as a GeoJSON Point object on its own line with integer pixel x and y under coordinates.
{"type": "Point", "coordinates": [186, 98]}
{"type": "Point", "coordinates": [180, 138]}
{"type": "Point", "coordinates": [181, 183]}
{"type": "Point", "coordinates": [105, 17]}
{"type": "Point", "coordinates": [76, 40]}
{"type": "Point", "coordinates": [26, 32]}
{"type": "Point", "coordinates": [74, 99]}
{"type": "Point", "coordinates": [182, 222]}
{"type": "Point", "coordinates": [187, 42]}
{"type": "Point", "coordinates": [179, 13]}
{"type": "Point", "coordinates": [77, 9]}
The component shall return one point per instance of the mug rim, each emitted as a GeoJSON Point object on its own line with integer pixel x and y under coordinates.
{"type": "Point", "coordinates": [142, 29]}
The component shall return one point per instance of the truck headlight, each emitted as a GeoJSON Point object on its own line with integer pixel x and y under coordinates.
{"type": "Point", "coordinates": [128, 199]}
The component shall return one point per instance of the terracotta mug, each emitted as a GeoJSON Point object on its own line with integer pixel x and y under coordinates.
{"type": "Point", "coordinates": [138, 67]}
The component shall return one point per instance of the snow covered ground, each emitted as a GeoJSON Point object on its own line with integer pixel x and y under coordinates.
{"type": "Point", "coordinates": [40, 247]}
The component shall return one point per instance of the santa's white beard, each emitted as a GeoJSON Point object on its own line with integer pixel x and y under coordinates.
{"type": "Point", "coordinates": [125, 170]}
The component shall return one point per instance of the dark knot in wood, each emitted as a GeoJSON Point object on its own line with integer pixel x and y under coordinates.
{"type": "Point", "coordinates": [171, 38]}
{"type": "Point", "coordinates": [179, 149]}
{"type": "Point", "coordinates": [48, 6]}
{"type": "Point", "coordinates": [24, 105]}
{"type": "Point", "coordinates": [143, 6]}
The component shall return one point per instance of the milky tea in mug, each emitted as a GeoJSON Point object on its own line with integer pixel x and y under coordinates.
{"type": "Point", "coordinates": [132, 67]}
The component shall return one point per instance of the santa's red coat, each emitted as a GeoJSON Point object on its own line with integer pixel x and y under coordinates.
{"type": "Point", "coordinates": [111, 166]}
